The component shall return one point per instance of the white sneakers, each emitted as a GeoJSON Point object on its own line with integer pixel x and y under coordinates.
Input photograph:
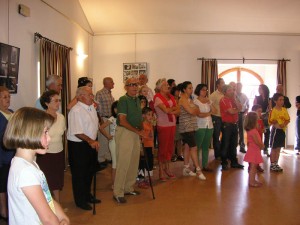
{"type": "Point", "coordinates": [187, 172]}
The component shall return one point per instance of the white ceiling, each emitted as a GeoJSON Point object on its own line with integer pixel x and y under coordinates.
{"type": "Point", "coordinates": [193, 16]}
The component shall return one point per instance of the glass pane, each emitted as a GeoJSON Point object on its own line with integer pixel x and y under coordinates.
{"type": "Point", "coordinates": [232, 76]}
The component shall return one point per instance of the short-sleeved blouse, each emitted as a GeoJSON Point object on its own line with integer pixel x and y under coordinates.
{"type": "Point", "coordinates": [205, 122]}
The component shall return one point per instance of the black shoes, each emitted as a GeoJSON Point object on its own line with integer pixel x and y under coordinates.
{"type": "Point", "coordinates": [101, 166]}
{"type": "Point", "coordinates": [120, 200]}
{"type": "Point", "coordinates": [180, 158]}
{"type": "Point", "coordinates": [224, 167]}
{"type": "Point", "coordinates": [242, 150]}
{"type": "Point", "coordinates": [237, 166]}
{"type": "Point", "coordinates": [94, 200]}
{"type": "Point", "coordinates": [132, 193]}
{"type": "Point", "coordinates": [84, 206]}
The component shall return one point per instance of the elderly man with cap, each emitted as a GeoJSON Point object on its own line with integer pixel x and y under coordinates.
{"type": "Point", "coordinates": [229, 108]}
{"type": "Point", "coordinates": [128, 132]}
{"type": "Point", "coordinates": [297, 131]}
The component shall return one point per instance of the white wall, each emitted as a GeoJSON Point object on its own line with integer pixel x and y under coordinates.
{"type": "Point", "coordinates": [175, 56]}
{"type": "Point", "coordinates": [51, 24]}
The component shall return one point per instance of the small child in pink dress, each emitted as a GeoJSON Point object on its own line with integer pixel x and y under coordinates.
{"type": "Point", "coordinates": [255, 144]}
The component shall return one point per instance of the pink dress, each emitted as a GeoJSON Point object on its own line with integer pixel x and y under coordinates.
{"type": "Point", "coordinates": [253, 154]}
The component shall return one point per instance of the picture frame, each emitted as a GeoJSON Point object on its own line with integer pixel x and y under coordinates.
{"type": "Point", "coordinates": [9, 67]}
{"type": "Point", "coordinates": [134, 70]}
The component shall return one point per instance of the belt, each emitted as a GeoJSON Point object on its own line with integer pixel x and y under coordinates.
{"type": "Point", "coordinates": [105, 116]}
{"type": "Point", "coordinates": [241, 112]}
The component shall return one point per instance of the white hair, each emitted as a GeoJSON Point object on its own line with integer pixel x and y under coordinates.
{"type": "Point", "coordinates": [52, 79]}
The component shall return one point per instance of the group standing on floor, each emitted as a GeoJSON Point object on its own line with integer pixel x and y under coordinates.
{"type": "Point", "coordinates": [176, 119]}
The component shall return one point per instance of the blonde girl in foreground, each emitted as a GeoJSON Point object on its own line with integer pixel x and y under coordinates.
{"type": "Point", "coordinates": [29, 198]}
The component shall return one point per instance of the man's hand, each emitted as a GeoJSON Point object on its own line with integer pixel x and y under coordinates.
{"type": "Point", "coordinates": [94, 144]}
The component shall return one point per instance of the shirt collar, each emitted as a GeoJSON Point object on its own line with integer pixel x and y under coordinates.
{"type": "Point", "coordinates": [87, 107]}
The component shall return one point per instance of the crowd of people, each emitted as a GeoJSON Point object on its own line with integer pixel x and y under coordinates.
{"type": "Point", "coordinates": [179, 121]}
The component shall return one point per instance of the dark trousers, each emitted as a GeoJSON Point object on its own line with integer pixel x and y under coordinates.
{"type": "Point", "coordinates": [149, 157]}
{"type": "Point", "coordinates": [229, 143]}
{"type": "Point", "coordinates": [241, 130]}
{"type": "Point", "coordinates": [217, 122]}
{"type": "Point", "coordinates": [297, 134]}
{"type": "Point", "coordinates": [82, 160]}
{"type": "Point", "coordinates": [267, 138]}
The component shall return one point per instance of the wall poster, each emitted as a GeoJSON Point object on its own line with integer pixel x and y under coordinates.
{"type": "Point", "coordinates": [9, 67]}
{"type": "Point", "coordinates": [134, 70]}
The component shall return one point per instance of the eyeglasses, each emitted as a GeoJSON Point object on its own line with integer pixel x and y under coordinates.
{"type": "Point", "coordinates": [56, 100]}
{"type": "Point", "coordinates": [132, 85]}
{"type": "Point", "coordinates": [204, 90]}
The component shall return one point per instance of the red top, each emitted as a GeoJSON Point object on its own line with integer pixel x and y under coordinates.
{"type": "Point", "coordinates": [225, 104]}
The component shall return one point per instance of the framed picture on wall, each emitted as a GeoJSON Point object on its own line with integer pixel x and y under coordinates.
{"type": "Point", "coordinates": [134, 70]}
{"type": "Point", "coordinates": [9, 67]}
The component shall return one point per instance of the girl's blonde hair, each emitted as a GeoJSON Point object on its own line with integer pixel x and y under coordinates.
{"type": "Point", "coordinates": [250, 121]}
{"type": "Point", "coordinates": [25, 128]}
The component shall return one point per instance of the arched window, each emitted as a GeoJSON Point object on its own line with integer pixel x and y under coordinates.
{"type": "Point", "coordinates": [250, 80]}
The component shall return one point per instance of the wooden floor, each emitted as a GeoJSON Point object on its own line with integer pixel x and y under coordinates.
{"type": "Point", "coordinates": [223, 199]}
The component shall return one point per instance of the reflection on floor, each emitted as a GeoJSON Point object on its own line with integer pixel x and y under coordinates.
{"type": "Point", "coordinates": [223, 199]}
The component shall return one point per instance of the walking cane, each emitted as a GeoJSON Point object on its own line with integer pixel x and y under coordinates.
{"type": "Point", "coordinates": [147, 168]}
{"type": "Point", "coordinates": [94, 193]}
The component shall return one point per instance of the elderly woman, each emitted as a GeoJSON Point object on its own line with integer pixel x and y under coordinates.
{"type": "Point", "coordinates": [166, 109]}
{"type": "Point", "coordinates": [187, 128]}
{"type": "Point", "coordinates": [5, 156]}
{"type": "Point", "coordinates": [53, 162]}
{"type": "Point", "coordinates": [204, 122]}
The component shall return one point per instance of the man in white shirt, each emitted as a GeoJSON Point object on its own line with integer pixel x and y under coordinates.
{"type": "Point", "coordinates": [83, 146]}
{"type": "Point", "coordinates": [243, 99]}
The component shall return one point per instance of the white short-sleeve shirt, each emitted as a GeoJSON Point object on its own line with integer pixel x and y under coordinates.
{"type": "Point", "coordinates": [205, 122]}
{"type": "Point", "coordinates": [23, 174]}
{"type": "Point", "coordinates": [82, 119]}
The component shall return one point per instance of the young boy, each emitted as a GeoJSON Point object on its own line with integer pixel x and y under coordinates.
{"type": "Point", "coordinates": [148, 144]}
{"type": "Point", "coordinates": [297, 132]}
{"type": "Point", "coordinates": [278, 119]}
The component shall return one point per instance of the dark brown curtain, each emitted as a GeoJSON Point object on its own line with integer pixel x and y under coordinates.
{"type": "Point", "coordinates": [55, 59]}
{"type": "Point", "coordinates": [281, 74]}
{"type": "Point", "coordinates": [209, 74]}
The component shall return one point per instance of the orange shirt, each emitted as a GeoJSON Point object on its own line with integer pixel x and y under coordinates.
{"type": "Point", "coordinates": [148, 129]}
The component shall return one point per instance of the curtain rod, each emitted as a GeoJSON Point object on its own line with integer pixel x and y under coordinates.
{"type": "Point", "coordinates": [243, 59]}
{"type": "Point", "coordinates": [38, 36]}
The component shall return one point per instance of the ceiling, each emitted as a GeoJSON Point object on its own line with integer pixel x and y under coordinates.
{"type": "Point", "coordinates": [193, 16]}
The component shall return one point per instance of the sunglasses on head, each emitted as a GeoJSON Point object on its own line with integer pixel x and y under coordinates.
{"type": "Point", "coordinates": [132, 85]}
